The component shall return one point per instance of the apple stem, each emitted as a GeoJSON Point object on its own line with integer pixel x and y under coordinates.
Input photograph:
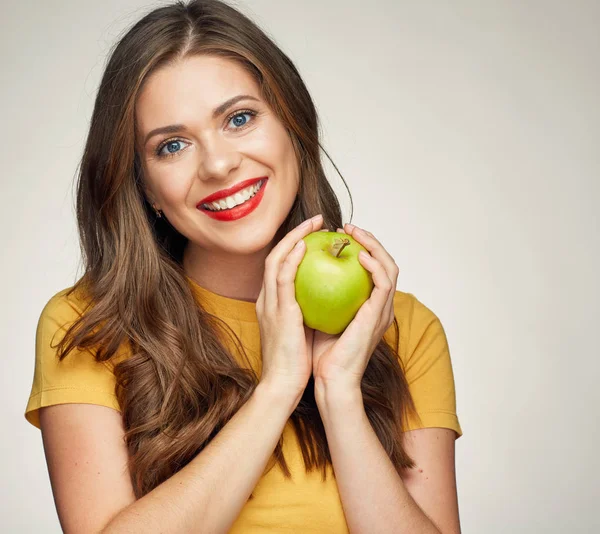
{"type": "Point", "coordinates": [338, 246]}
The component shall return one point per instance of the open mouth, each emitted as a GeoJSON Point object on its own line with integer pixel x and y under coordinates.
{"type": "Point", "coordinates": [233, 201]}
{"type": "Point", "coordinates": [236, 206]}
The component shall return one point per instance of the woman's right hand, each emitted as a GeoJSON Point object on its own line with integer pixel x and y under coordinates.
{"type": "Point", "coordinates": [286, 342]}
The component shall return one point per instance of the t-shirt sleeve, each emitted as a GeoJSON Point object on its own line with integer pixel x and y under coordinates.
{"type": "Point", "coordinates": [427, 365]}
{"type": "Point", "coordinates": [78, 378]}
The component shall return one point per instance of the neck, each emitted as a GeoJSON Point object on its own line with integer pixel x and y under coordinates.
{"type": "Point", "coordinates": [234, 276]}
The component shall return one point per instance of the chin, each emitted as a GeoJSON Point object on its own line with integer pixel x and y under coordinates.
{"type": "Point", "coordinates": [246, 249]}
{"type": "Point", "coordinates": [244, 243]}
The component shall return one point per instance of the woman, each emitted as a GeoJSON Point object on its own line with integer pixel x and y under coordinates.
{"type": "Point", "coordinates": [187, 395]}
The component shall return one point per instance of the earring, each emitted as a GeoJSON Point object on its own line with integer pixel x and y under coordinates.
{"type": "Point", "coordinates": [157, 211]}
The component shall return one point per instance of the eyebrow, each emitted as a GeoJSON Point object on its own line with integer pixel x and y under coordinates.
{"type": "Point", "coordinates": [219, 110]}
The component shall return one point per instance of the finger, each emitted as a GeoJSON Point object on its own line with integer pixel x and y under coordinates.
{"type": "Point", "coordinates": [368, 239]}
{"type": "Point", "coordinates": [383, 287]}
{"type": "Point", "coordinates": [261, 297]}
{"type": "Point", "coordinates": [309, 335]}
{"type": "Point", "coordinates": [363, 236]}
{"type": "Point", "coordinates": [280, 252]}
{"type": "Point", "coordinates": [286, 290]}
{"type": "Point", "coordinates": [376, 250]}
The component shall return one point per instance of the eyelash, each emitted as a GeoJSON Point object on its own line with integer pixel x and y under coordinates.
{"type": "Point", "coordinates": [159, 148]}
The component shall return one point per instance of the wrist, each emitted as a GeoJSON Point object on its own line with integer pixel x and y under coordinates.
{"type": "Point", "coordinates": [331, 395]}
{"type": "Point", "coordinates": [279, 394]}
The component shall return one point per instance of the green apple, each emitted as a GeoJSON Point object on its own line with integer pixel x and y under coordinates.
{"type": "Point", "coordinates": [331, 284]}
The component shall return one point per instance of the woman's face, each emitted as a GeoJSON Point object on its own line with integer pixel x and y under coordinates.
{"type": "Point", "coordinates": [209, 148]}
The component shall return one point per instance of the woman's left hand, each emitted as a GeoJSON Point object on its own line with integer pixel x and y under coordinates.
{"type": "Point", "coordinates": [339, 361]}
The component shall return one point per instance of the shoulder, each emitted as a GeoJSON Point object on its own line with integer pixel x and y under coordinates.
{"type": "Point", "coordinates": [78, 377]}
{"type": "Point", "coordinates": [426, 362]}
{"type": "Point", "coordinates": [63, 308]}
{"type": "Point", "coordinates": [414, 318]}
{"type": "Point", "coordinates": [59, 313]}
{"type": "Point", "coordinates": [408, 307]}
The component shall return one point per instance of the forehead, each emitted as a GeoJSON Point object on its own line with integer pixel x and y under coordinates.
{"type": "Point", "coordinates": [193, 86]}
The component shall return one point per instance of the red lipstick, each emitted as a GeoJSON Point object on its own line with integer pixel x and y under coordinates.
{"type": "Point", "coordinates": [236, 212]}
{"type": "Point", "coordinates": [228, 192]}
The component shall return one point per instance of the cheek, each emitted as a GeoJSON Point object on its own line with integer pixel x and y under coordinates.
{"type": "Point", "coordinates": [173, 185]}
{"type": "Point", "coordinates": [283, 152]}
{"type": "Point", "coordinates": [275, 145]}
{"type": "Point", "coordinates": [292, 165]}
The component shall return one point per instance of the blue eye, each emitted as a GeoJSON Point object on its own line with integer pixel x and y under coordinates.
{"type": "Point", "coordinates": [173, 147]}
{"type": "Point", "coordinates": [239, 121]}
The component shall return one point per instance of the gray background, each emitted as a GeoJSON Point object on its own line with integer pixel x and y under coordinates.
{"type": "Point", "coordinates": [468, 132]}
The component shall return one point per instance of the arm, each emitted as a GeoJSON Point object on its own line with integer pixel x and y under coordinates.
{"type": "Point", "coordinates": [375, 499]}
{"type": "Point", "coordinates": [87, 464]}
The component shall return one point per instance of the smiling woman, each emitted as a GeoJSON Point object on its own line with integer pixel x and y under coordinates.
{"type": "Point", "coordinates": [176, 385]}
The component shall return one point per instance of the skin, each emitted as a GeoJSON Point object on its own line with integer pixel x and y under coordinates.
{"type": "Point", "coordinates": [226, 258]}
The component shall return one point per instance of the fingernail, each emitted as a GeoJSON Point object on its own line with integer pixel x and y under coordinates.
{"type": "Point", "coordinates": [350, 226]}
{"type": "Point", "coordinates": [316, 218]}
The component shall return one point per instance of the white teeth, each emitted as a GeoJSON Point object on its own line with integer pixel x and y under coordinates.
{"type": "Point", "coordinates": [234, 200]}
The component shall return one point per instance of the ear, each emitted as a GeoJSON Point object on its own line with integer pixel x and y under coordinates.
{"type": "Point", "coordinates": [149, 197]}
{"type": "Point", "coordinates": [147, 193]}
{"type": "Point", "coordinates": [142, 182]}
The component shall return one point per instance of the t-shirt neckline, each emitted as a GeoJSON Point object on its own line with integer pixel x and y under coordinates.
{"type": "Point", "coordinates": [224, 306]}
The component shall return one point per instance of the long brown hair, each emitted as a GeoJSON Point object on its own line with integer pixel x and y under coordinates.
{"type": "Point", "coordinates": [180, 384]}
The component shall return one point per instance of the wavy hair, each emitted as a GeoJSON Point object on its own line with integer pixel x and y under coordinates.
{"type": "Point", "coordinates": [180, 384]}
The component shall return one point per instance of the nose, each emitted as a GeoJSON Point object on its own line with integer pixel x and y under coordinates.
{"type": "Point", "coordinates": [219, 158]}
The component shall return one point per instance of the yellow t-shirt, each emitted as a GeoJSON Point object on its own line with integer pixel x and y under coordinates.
{"type": "Point", "coordinates": [304, 503]}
